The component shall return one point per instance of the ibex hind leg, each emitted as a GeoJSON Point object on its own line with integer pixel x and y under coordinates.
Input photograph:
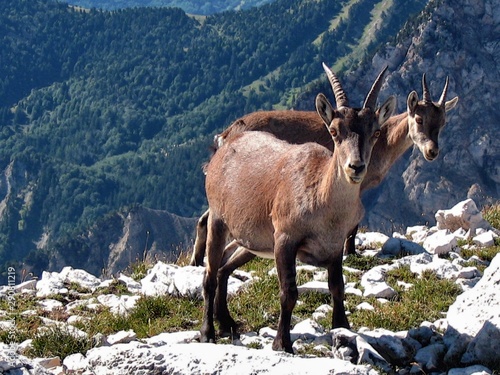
{"type": "Point", "coordinates": [216, 240]}
{"type": "Point", "coordinates": [350, 242]}
{"type": "Point", "coordinates": [200, 242]}
{"type": "Point", "coordinates": [239, 256]}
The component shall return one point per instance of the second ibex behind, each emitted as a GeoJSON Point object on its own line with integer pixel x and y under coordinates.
{"type": "Point", "coordinates": [290, 202]}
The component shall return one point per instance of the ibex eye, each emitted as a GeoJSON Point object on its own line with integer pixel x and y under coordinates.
{"type": "Point", "coordinates": [333, 132]}
{"type": "Point", "coordinates": [377, 134]}
{"type": "Point", "coordinates": [419, 120]}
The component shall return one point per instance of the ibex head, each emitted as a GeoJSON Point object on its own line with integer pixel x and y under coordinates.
{"type": "Point", "coordinates": [426, 119]}
{"type": "Point", "coordinates": [354, 130]}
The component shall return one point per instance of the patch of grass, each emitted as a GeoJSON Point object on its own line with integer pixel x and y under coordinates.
{"type": "Point", "coordinates": [150, 316]}
{"type": "Point", "coordinates": [139, 269]}
{"type": "Point", "coordinates": [362, 263]}
{"type": "Point", "coordinates": [258, 305]}
{"type": "Point", "coordinates": [492, 215]}
{"type": "Point", "coordinates": [426, 300]}
{"type": "Point", "coordinates": [402, 273]}
{"type": "Point", "coordinates": [116, 287]}
{"type": "Point", "coordinates": [59, 342]}
{"type": "Point", "coordinates": [484, 253]}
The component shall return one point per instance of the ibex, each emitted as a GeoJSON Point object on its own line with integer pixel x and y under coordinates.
{"type": "Point", "coordinates": [288, 202]}
{"type": "Point", "coordinates": [420, 125]}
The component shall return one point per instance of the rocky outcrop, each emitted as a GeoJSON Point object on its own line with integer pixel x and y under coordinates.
{"type": "Point", "coordinates": [458, 39]}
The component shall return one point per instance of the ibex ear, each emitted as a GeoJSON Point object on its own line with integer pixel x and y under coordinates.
{"type": "Point", "coordinates": [412, 102]}
{"type": "Point", "coordinates": [325, 109]}
{"type": "Point", "coordinates": [387, 109]}
{"type": "Point", "coordinates": [450, 104]}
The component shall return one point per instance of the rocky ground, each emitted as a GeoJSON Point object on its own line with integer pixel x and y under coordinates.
{"type": "Point", "coordinates": [465, 341]}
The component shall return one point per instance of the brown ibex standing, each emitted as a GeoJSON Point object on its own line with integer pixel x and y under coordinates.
{"type": "Point", "coordinates": [289, 202]}
{"type": "Point", "coordinates": [420, 125]}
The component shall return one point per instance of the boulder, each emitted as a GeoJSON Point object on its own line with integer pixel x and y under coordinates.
{"type": "Point", "coordinates": [464, 215]}
{"type": "Point", "coordinates": [477, 305]}
{"type": "Point", "coordinates": [400, 247]}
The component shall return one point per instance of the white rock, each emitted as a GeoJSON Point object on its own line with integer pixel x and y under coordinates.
{"type": "Point", "coordinates": [76, 362]}
{"type": "Point", "coordinates": [373, 240]}
{"type": "Point", "coordinates": [224, 359]}
{"type": "Point", "coordinates": [352, 290]}
{"type": "Point", "coordinates": [26, 286]}
{"type": "Point", "coordinates": [485, 346]}
{"type": "Point", "coordinates": [365, 306]}
{"type": "Point", "coordinates": [81, 277]}
{"type": "Point", "coordinates": [307, 329]}
{"type": "Point", "coordinates": [121, 337]}
{"type": "Point", "coordinates": [322, 311]}
{"type": "Point", "coordinates": [401, 246]}
{"type": "Point", "coordinates": [410, 231]}
{"type": "Point", "coordinates": [132, 285]}
{"type": "Point", "coordinates": [475, 307]}
{"type": "Point", "coordinates": [182, 281]}
{"type": "Point", "coordinates": [50, 283]}
{"type": "Point", "coordinates": [441, 242]}
{"type": "Point", "coordinates": [377, 273]}
{"type": "Point", "coordinates": [74, 319]}
{"type": "Point", "coordinates": [182, 337]}
{"type": "Point", "coordinates": [467, 273]}
{"type": "Point", "coordinates": [463, 215]}
{"type": "Point", "coordinates": [48, 363]}
{"type": "Point", "coordinates": [50, 304]}
{"type": "Point", "coordinates": [378, 290]}
{"type": "Point", "coordinates": [471, 370]}
{"type": "Point", "coordinates": [484, 239]}
{"type": "Point", "coordinates": [426, 262]}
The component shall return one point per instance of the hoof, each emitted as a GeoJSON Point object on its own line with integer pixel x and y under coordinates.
{"type": "Point", "coordinates": [205, 339]}
{"type": "Point", "coordinates": [280, 347]}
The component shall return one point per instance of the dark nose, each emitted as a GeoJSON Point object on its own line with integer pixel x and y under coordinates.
{"type": "Point", "coordinates": [357, 168]}
{"type": "Point", "coordinates": [433, 153]}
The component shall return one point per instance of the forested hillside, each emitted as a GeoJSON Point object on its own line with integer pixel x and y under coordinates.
{"type": "Point", "coordinates": [204, 7]}
{"type": "Point", "coordinates": [101, 111]}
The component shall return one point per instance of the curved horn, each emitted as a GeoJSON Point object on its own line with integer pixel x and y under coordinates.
{"type": "Point", "coordinates": [425, 89]}
{"type": "Point", "coordinates": [371, 98]}
{"type": "Point", "coordinates": [442, 99]}
{"type": "Point", "coordinates": [338, 91]}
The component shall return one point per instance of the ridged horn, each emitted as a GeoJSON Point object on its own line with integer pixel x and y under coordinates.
{"type": "Point", "coordinates": [442, 99]}
{"type": "Point", "coordinates": [371, 98]}
{"type": "Point", "coordinates": [338, 91]}
{"type": "Point", "coordinates": [425, 89]}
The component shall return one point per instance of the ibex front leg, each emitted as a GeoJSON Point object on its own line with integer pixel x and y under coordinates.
{"type": "Point", "coordinates": [285, 253]}
{"type": "Point", "coordinates": [336, 286]}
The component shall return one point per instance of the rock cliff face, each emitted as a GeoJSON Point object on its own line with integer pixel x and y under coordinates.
{"type": "Point", "coordinates": [458, 39]}
{"type": "Point", "coordinates": [122, 239]}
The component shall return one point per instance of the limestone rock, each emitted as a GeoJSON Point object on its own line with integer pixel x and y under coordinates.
{"type": "Point", "coordinates": [473, 308]}
{"type": "Point", "coordinates": [463, 215]}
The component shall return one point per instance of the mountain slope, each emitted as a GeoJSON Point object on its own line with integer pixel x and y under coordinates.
{"type": "Point", "coordinates": [100, 111]}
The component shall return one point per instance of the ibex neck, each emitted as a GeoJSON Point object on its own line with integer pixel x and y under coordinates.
{"type": "Point", "coordinates": [392, 144]}
{"type": "Point", "coordinates": [335, 185]}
